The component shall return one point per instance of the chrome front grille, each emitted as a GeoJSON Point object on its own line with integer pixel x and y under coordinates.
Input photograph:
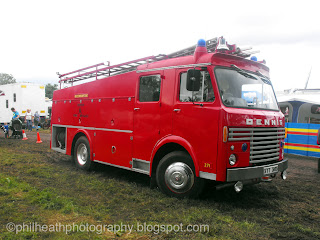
{"type": "Point", "coordinates": [264, 142]}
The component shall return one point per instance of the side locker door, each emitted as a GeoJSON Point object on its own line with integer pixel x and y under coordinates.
{"type": "Point", "coordinates": [146, 119]}
{"type": "Point", "coordinates": [122, 124]}
{"type": "Point", "coordinates": [102, 135]}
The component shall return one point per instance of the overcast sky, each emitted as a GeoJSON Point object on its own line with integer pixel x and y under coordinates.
{"type": "Point", "coordinates": [40, 38]}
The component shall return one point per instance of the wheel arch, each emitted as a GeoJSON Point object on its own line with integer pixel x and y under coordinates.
{"type": "Point", "coordinates": [169, 144]}
{"type": "Point", "coordinates": [78, 134]}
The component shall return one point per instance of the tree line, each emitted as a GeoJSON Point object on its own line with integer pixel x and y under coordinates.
{"type": "Point", "coordinates": [8, 79]}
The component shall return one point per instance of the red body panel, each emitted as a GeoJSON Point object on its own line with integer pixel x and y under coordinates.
{"type": "Point", "coordinates": [120, 128]}
{"type": "Point", "coordinates": [182, 142]}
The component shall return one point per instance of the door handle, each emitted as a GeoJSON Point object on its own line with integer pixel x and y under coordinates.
{"type": "Point", "coordinates": [177, 110]}
{"type": "Point", "coordinates": [136, 109]}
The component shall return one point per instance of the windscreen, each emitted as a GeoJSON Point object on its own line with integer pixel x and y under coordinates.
{"type": "Point", "coordinates": [239, 88]}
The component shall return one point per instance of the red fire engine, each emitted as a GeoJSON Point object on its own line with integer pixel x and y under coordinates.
{"type": "Point", "coordinates": [205, 112]}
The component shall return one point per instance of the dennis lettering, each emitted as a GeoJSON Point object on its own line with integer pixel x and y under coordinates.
{"type": "Point", "coordinates": [266, 122]}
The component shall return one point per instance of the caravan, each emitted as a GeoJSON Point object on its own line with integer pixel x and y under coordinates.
{"type": "Point", "coordinates": [21, 96]}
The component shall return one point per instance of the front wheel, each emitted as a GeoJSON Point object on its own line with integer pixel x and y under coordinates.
{"type": "Point", "coordinates": [176, 176]}
{"type": "Point", "coordinates": [82, 154]}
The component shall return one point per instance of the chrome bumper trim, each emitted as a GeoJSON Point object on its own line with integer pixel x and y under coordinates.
{"type": "Point", "coordinates": [237, 174]}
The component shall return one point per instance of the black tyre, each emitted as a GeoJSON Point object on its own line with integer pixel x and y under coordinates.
{"type": "Point", "coordinates": [176, 176]}
{"type": "Point", "coordinates": [81, 154]}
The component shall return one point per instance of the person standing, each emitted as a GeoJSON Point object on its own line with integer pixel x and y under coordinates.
{"type": "Point", "coordinates": [36, 119]}
{"type": "Point", "coordinates": [28, 119]}
{"type": "Point", "coordinates": [16, 114]}
{"type": "Point", "coordinates": [16, 123]}
{"type": "Point", "coordinates": [5, 128]}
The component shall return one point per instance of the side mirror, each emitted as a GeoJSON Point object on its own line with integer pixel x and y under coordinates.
{"type": "Point", "coordinates": [193, 80]}
{"type": "Point", "coordinates": [318, 137]}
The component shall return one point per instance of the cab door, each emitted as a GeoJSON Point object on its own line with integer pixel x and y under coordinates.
{"type": "Point", "coordinates": [146, 129]}
{"type": "Point", "coordinates": [196, 118]}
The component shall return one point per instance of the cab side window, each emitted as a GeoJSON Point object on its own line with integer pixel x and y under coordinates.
{"type": "Point", "coordinates": [205, 93]}
{"type": "Point", "coordinates": [149, 88]}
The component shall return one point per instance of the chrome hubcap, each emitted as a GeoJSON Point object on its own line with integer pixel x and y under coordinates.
{"type": "Point", "coordinates": [179, 177]}
{"type": "Point", "coordinates": [82, 154]}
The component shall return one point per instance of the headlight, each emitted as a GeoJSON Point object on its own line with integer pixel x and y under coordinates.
{"type": "Point", "coordinates": [232, 159]}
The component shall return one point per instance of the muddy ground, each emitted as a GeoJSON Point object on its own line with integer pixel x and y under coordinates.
{"type": "Point", "coordinates": [277, 210]}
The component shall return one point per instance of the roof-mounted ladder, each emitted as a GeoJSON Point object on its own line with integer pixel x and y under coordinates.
{"type": "Point", "coordinates": [103, 69]}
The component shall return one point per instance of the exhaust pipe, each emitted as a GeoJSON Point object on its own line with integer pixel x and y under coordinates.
{"type": "Point", "coordinates": [222, 186]}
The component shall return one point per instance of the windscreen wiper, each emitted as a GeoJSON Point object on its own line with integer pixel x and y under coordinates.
{"type": "Point", "coordinates": [264, 78]}
{"type": "Point", "coordinates": [243, 73]}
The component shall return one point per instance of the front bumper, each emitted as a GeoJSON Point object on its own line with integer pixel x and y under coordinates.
{"type": "Point", "coordinates": [238, 174]}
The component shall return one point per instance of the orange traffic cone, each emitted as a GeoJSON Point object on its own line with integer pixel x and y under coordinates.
{"type": "Point", "coordinates": [38, 138]}
{"type": "Point", "coordinates": [24, 135]}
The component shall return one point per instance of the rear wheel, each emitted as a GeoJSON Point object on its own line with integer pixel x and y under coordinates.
{"type": "Point", "coordinates": [176, 176]}
{"type": "Point", "coordinates": [81, 154]}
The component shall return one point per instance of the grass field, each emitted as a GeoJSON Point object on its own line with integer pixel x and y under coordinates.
{"type": "Point", "coordinates": [43, 195]}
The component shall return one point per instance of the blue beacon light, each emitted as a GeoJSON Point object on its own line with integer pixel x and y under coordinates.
{"type": "Point", "coordinates": [201, 43]}
{"type": "Point", "coordinates": [254, 58]}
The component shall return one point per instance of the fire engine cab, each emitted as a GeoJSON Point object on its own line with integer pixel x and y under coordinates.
{"type": "Point", "coordinates": [207, 112]}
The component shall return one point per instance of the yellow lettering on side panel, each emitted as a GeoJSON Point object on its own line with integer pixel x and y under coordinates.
{"type": "Point", "coordinates": [81, 95]}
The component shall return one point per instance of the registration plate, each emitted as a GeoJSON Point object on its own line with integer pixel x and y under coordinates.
{"type": "Point", "coordinates": [270, 170]}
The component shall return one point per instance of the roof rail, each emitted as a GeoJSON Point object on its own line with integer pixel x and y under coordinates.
{"type": "Point", "coordinates": [102, 69]}
{"type": "Point", "coordinates": [95, 71]}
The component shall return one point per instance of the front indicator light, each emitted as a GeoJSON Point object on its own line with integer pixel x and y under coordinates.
{"type": "Point", "coordinates": [232, 159]}
{"type": "Point", "coordinates": [225, 134]}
